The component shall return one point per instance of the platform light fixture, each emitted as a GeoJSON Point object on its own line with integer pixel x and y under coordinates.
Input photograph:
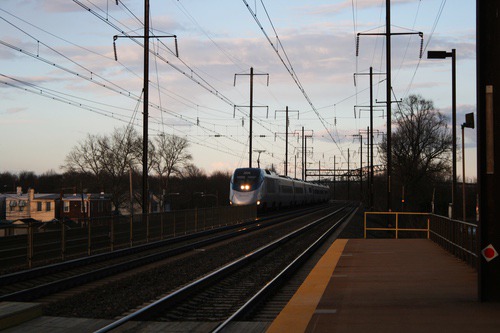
{"type": "Point", "coordinates": [469, 123]}
{"type": "Point", "coordinates": [452, 55]}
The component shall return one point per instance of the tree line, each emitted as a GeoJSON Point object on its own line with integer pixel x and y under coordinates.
{"type": "Point", "coordinates": [421, 173]}
{"type": "Point", "coordinates": [113, 164]}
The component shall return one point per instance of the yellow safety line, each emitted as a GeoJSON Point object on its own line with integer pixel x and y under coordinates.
{"type": "Point", "coordinates": [298, 312]}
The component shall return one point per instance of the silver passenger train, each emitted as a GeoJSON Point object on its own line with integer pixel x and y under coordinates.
{"type": "Point", "coordinates": [268, 190]}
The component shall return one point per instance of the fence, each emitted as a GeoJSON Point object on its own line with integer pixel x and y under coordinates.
{"type": "Point", "coordinates": [457, 237]}
{"type": "Point", "coordinates": [70, 239]}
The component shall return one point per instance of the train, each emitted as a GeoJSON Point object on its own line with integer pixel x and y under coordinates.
{"type": "Point", "coordinates": [268, 190]}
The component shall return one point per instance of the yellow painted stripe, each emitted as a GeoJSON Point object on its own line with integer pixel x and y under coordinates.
{"type": "Point", "coordinates": [298, 312]}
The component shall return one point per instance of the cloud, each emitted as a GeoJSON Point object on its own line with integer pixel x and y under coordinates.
{"type": "Point", "coordinates": [347, 5]}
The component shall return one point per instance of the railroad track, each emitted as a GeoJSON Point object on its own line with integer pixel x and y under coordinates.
{"type": "Point", "coordinates": [48, 280]}
{"type": "Point", "coordinates": [238, 289]}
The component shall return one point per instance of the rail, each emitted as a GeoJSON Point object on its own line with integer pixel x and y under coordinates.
{"type": "Point", "coordinates": [211, 278]}
{"type": "Point", "coordinates": [457, 237]}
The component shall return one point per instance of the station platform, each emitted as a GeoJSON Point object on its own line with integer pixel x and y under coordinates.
{"type": "Point", "coordinates": [388, 285]}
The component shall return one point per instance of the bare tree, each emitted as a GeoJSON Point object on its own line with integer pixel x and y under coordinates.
{"type": "Point", "coordinates": [108, 158]}
{"type": "Point", "coordinates": [192, 171]}
{"type": "Point", "coordinates": [421, 145]}
{"type": "Point", "coordinates": [85, 157]}
{"type": "Point", "coordinates": [170, 156]}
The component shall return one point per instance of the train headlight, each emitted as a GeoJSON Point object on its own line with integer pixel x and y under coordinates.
{"type": "Point", "coordinates": [245, 187]}
{"type": "Point", "coordinates": [258, 202]}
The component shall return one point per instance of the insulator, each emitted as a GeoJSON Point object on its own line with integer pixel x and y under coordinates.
{"type": "Point", "coordinates": [114, 49]}
{"type": "Point", "coordinates": [357, 45]}
{"type": "Point", "coordinates": [421, 47]}
{"type": "Point", "coordinates": [176, 48]}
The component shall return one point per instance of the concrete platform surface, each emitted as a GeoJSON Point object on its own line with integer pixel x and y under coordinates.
{"type": "Point", "coordinates": [388, 285]}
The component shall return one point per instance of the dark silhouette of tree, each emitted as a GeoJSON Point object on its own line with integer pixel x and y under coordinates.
{"type": "Point", "coordinates": [421, 147]}
{"type": "Point", "coordinates": [8, 182]}
{"type": "Point", "coordinates": [108, 159]}
{"type": "Point", "coordinates": [170, 157]}
{"type": "Point", "coordinates": [192, 171]}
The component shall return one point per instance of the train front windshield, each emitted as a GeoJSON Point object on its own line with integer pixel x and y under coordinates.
{"type": "Point", "coordinates": [246, 179]}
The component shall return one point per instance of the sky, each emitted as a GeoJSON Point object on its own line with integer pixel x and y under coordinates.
{"type": "Point", "coordinates": [60, 80]}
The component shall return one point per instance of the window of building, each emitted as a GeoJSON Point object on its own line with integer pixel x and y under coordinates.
{"type": "Point", "coordinates": [39, 206]}
{"type": "Point", "coordinates": [48, 207]}
{"type": "Point", "coordinates": [66, 206]}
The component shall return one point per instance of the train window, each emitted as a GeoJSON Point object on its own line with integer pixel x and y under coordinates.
{"type": "Point", "coordinates": [246, 179]}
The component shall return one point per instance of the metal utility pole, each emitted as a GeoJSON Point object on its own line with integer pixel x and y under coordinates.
{"type": "Point", "coordinates": [334, 175]}
{"type": "Point", "coordinates": [361, 166]}
{"type": "Point", "coordinates": [360, 163]}
{"type": "Point", "coordinates": [145, 190]}
{"type": "Point", "coordinates": [145, 112]}
{"type": "Point", "coordinates": [371, 138]}
{"type": "Point", "coordinates": [388, 100]}
{"type": "Point", "coordinates": [251, 118]}
{"type": "Point", "coordinates": [251, 111]}
{"type": "Point", "coordinates": [304, 153]}
{"type": "Point", "coordinates": [454, 130]}
{"type": "Point", "coordinates": [348, 175]}
{"type": "Point", "coordinates": [287, 124]}
{"type": "Point", "coordinates": [303, 173]}
{"type": "Point", "coordinates": [286, 143]}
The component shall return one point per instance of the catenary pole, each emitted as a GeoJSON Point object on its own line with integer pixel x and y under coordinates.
{"type": "Point", "coordinates": [145, 111]}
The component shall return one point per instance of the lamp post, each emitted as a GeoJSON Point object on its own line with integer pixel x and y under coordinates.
{"type": "Point", "coordinates": [469, 123]}
{"type": "Point", "coordinates": [443, 55]}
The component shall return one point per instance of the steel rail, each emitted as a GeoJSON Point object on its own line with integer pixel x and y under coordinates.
{"type": "Point", "coordinates": [209, 278]}
{"type": "Point", "coordinates": [278, 280]}
{"type": "Point", "coordinates": [72, 281]}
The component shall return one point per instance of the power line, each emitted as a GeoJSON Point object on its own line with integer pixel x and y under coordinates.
{"type": "Point", "coordinates": [289, 68]}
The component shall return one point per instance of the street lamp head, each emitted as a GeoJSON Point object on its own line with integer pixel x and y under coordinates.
{"type": "Point", "coordinates": [469, 120]}
{"type": "Point", "coordinates": [438, 54]}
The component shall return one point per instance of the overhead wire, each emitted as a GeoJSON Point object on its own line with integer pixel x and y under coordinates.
{"type": "Point", "coordinates": [200, 81]}
{"type": "Point", "coordinates": [90, 78]}
{"type": "Point", "coordinates": [431, 34]}
{"type": "Point", "coordinates": [289, 67]}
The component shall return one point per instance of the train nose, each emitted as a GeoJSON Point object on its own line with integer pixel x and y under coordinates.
{"type": "Point", "coordinates": [243, 198]}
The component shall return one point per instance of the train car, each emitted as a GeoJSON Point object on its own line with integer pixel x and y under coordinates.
{"type": "Point", "coordinates": [268, 190]}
